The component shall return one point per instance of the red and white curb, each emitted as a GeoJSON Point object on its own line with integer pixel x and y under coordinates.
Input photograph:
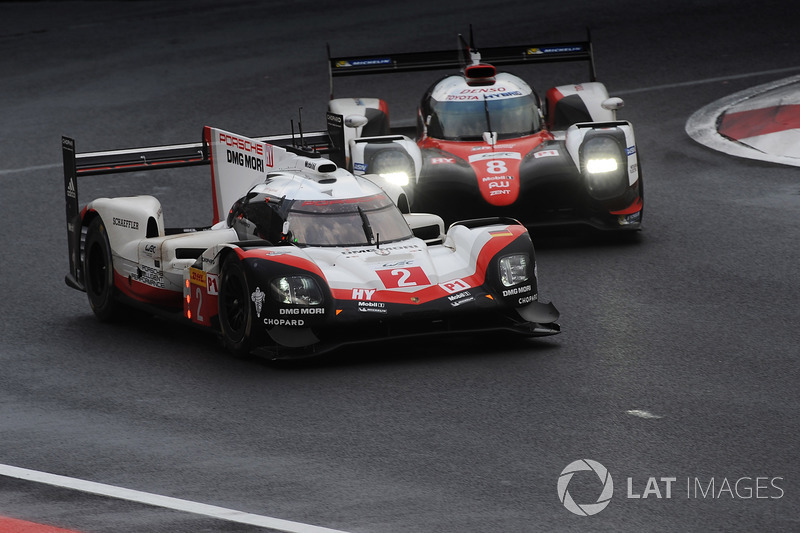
{"type": "Point", "coordinates": [761, 122]}
{"type": "Point", "coordinates": [12, 525]}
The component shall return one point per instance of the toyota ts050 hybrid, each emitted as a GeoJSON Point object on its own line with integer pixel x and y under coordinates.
{"type": "Point", "coordinates": [485, 144]}
{"type": "Point", "coordinates": [301, 255]}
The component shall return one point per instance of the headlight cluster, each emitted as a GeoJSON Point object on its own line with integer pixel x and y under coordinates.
{"type": "Point", "coordinates": [604, 164]}
{"type": "Point", "coordinates": [393, 165]}
{"type": "Point", "coordinates": [296, 290]}
{"type": "Point", "coordinates": [514, 269]}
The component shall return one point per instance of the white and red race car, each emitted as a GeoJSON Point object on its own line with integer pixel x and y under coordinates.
{"type": "Point", "coordinates": [485, 144]}
{"type": "Point", "coordinates": [301, 256]}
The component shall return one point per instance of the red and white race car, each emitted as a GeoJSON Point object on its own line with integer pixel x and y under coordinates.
{"type": "Point", "coordinates": [301, 255]}
{"type": "Point", "coordinates": [486, 145]}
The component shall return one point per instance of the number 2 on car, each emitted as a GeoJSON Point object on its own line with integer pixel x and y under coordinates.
{"type": "Point", "coordinates": [396, 278]}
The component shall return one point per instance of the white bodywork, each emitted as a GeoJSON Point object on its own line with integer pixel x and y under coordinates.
{"type": "Point", "coordinates": [157, 260]}
{"type": "Point", "coordinates": [594, 95]}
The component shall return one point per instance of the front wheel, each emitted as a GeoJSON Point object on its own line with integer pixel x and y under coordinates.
{"type": "Point", "coordinates": [235, 309]}
{"type": "Point", "coordinates": [98, 268]}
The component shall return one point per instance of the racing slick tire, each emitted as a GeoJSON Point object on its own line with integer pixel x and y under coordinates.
{"type": "Point", "coordinates": [98, 268]}
{"type": "Point", "coordinates": [235, 311]}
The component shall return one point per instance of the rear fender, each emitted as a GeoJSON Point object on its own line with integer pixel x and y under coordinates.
{"type": "Point", "coordinates": [374, 110]}
{"type": "Point", "coordinates": [128, 220]}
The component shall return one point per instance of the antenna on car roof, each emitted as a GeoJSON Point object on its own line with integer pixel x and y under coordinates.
{"type": "Point", "coordinates": [302, 144]}
{"type": "Point", "coordinates": [463, 51]}
{"type": "Point", "coordinates": [300, 126]}
{"type": "Point", "coordinates": [468, 54]}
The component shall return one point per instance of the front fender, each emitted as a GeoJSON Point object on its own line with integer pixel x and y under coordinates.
{"type": "Point", "coordinates": [264, 276]}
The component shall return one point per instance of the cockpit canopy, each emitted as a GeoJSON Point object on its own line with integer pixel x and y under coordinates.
{"type": "Point", "coordinates": [361, 221]}
{"type": "Point", "coordinates": [454, 110]}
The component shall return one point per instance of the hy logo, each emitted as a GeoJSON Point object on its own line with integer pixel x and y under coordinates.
{"type": "Point", "coordinates": [586, 509]}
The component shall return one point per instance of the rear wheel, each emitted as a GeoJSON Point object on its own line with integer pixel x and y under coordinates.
{"type": "Point", "coordinates": [235, 310]}
{"type": "Point", "coordinates": [98, 268]}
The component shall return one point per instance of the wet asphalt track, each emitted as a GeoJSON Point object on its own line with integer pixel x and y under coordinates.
{"type": "Point", "coordinates": [695, 323]}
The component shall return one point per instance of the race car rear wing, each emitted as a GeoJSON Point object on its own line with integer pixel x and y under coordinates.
{"type": "Point", "coordinates": [329, 143]}
{"type": "Point", "coordinates": [447, 59]}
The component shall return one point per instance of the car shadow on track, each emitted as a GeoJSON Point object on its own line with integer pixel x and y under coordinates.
{"type": "Point", "coordinates": [415, 351]}
{"type": "Point", "coordinates": [143, 336]}
{"type": "Point", "coordinates": [581, 238]}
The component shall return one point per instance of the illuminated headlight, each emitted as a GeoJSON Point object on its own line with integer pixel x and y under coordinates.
{"type": "Point", "coordinates": [296, 290]}
{"type": "Point", "coordinates": [599, 166]}
{"type": "Point", "coordinates": [398, 178]}
{"type": "Point", "coordinates": [514, 269]}
{"type": "Point", "coordinates": [393, 165]}
{"type": "Point", "coordinates": [601, 154]}
{"type": "Point", "coordinates": [604, 164]}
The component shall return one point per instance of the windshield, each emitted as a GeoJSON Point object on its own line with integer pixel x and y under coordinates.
{"type": "Point", "coordinates": [351, 222]}
{"type": "Point", "coordinates": [466, 121]}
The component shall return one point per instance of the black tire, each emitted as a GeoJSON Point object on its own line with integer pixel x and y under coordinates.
{"type": "Point", "coordinates": [235, 310]}
{"type": "Point", "coordinates": [98, 269]}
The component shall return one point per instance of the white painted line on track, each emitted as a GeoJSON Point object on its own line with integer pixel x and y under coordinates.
{"type": "Point", "coordinates": [707, 80]}
{"type": "Point", "coordinates": [10, 171]}
{"type": "Point", "coordinates": [220, 513]}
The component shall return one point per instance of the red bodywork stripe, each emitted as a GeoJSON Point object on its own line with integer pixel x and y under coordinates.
{"type": "Point", "coordinates": [757, 122]}
{"type": "Point", "coordinates": [384, 107]}
{"type": "Point", "coordinates": [138, 165]}
{"type": "Point", "coordinates": [635, 207]}
{"type": "Point", "coordinates": [427, 294]}
{"type": "Point", "coordinates": [282, 258]}
{"type": "Point", "coordinates": [145, 293]}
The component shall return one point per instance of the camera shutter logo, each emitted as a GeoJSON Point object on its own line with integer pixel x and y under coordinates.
{"type": "Point", "coordinates": [586, 509]}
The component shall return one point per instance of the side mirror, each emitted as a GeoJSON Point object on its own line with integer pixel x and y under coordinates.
{"type": "Point", "coordinates": [612, 104]}
{"type": "Point", "coordinates": [355, 121]}
{"type": "Point", "coordinates": [428, 227]}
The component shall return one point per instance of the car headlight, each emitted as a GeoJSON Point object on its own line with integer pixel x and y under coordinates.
{"type": "Point", "coordinates": [393, 165]}
{"type": "Point", "coordinates": [398, 178]}
{"type": "Point", "coordinates": [601, 165]}
{"type": "Point", "coordinates": [296, 290]}
{"type": "Point", "coordinates": [514, 269]}
{"type": "Point", "coordinates": [604, 164]}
